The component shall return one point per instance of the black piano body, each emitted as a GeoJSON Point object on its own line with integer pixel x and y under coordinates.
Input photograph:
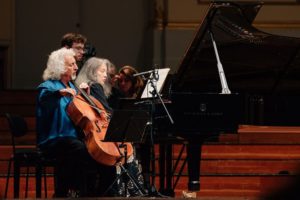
{"type": "Point", "coordinates": [197, 115]}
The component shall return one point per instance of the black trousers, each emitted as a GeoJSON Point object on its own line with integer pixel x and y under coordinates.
{"type": "Point", "coordinates": [75, 170]}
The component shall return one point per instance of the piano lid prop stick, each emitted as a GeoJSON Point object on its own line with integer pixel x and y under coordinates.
{"type": "Point", "coordinates": [225, 89]}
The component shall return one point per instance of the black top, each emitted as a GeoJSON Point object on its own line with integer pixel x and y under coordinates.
{"type": "Point", "coordinates": [98, 92]}
{"type": "Point", "coordinates": [114, 98]}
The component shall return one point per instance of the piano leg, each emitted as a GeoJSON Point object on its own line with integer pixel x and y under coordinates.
{"type": "Point", "coordinates": [193, 161]}
{"type": "Point", "coordinates": [162, 167]}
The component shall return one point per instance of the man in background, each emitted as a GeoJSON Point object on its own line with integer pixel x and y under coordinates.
{"type": "Point", "coordinates": [79, 44]}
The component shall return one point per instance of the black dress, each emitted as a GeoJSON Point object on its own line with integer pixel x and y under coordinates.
{"type": "Point", "coordinates": [98, 92]}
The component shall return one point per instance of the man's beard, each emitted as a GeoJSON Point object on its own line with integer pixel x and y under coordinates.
{"type": "Point", "coordinates": [73, 77]}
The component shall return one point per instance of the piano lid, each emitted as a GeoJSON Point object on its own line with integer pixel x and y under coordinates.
{"type": "Point", "coordinates": [253, 61]}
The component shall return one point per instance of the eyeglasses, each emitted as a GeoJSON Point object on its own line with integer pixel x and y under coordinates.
{"type": "Point", "coordinates": [78, 48]}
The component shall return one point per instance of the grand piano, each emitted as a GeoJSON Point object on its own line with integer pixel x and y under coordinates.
{"type": "Point", "coordinates": [263, 75]}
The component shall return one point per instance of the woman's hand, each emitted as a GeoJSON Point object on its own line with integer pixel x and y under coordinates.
{"type": "Point", "coordinates": [85, 87]}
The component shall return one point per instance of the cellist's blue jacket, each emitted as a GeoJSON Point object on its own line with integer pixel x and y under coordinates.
{"type": "Point", "coordinates": [52, 121]}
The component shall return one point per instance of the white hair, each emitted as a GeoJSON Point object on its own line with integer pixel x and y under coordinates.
{"type": "Point", "coordinates": [88, 73]}
{"type": "Point", "coordinates": [107, 87]}
{"type": "Point", "coordinates": [56, 64]}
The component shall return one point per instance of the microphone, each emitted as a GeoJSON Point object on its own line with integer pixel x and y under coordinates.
{"type": "Point", "coordinates": [144, 73]}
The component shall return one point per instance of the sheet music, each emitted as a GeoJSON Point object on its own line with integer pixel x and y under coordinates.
{"type": "Point", "coordinates": [162, 75]}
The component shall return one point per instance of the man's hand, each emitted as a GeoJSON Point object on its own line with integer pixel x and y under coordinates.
{"type": "Point", "coordinates": [67, 92]}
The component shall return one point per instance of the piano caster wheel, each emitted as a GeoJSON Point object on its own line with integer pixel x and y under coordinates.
{"type": "Point", "coordinates": [194, 186]}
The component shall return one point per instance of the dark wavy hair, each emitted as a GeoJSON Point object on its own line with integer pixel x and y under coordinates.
{"type": "Point", "coordinates": [137, 82]}
{"type": "Point", "coordinates": [69, 38]}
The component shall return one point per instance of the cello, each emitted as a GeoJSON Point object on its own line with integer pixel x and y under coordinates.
{"type": "Point", "coordinates": [87, 113]}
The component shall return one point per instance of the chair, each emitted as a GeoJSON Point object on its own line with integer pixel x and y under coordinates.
{"type": "Point", "coordinates": [25, 157]}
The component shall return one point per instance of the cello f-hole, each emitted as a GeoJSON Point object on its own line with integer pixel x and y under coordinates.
{"type": "Point", "coordinates": [98, 128]}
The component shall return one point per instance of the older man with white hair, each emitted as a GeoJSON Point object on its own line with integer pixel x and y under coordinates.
{"type": "Point", "coordinates": [57, 136]}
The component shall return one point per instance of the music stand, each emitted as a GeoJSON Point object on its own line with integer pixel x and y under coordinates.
{"type": "Point", "coordinates": [127, 126]}
{"type": "Point", "coordinates": [151, 92]}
